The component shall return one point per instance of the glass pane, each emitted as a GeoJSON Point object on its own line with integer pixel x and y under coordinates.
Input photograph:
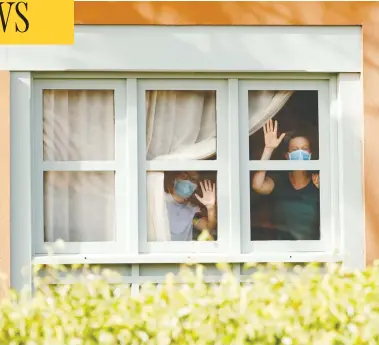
{"type": "Point", "coordinates": [78, 125]}
{"type": "Point", "coordinates": [290, 119]}
{"type": "Point", "coordinates": [182, 205]}
{"type": "Point", "coordinates": [285, 205]}
{"type": "Point", "coordinates": [79, 206]}
{"type": "Point", "coordinates": [180, 124]}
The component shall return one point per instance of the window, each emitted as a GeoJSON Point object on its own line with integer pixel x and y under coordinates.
{"type": "Point", "coordinates": [185, 140]}
{"type": "Point", "coordinates": [290, 208]}
{"type": "Point", "coordinates": [144, 166]}
{"type": "Point", "coordinates": [79, 165]}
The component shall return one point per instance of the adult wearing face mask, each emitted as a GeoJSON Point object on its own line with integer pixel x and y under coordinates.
{"type": "Point", "coordinates": [183, 212]}
{"type": "Point", "coordinates": [295, 194]}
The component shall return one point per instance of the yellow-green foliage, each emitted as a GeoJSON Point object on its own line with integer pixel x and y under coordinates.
{"type": "Point", "coordinates": [281, 306]}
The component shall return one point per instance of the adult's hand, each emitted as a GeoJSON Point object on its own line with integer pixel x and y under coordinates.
{"type": "Point", "coordinates": [270, 130]}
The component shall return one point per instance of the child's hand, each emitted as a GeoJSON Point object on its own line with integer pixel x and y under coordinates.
{"type": "Point", "coordinates": [209, 193]}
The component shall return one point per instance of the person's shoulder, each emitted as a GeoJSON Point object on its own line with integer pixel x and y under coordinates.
{"type": "Point", "coordinates": [192, 207]}
{"type": "Point", "coordinates": [168, 197]}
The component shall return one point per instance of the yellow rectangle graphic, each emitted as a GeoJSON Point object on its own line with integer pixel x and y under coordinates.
{"type": "Point", "coordinates": [37, 22]}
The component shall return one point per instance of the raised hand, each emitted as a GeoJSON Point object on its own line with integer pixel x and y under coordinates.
{"type": "Point", "coordinates": [209, 193]}
{"type": "Point", "coordinates": [270, 130]}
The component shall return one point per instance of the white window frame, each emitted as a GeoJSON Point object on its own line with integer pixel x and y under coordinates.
{"type": "Point", "coordinates": [346, 118]}
{"type": "Point", "coordinates": [328, 138]}
{"type": "Point", "coordinates": [118, 166]}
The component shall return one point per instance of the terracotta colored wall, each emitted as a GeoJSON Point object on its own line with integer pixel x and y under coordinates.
{"type": "Point", "coordinates": [232, 13]}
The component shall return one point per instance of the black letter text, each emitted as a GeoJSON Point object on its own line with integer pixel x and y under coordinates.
{"type": "Point", "coordinates": [22, 16]}
{"type": "Point", "coordinates": [4, 21]}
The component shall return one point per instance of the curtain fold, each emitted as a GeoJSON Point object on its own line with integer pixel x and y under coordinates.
{"type": "Point", "coordinates": [264, 105]}
{"type": "Point", "coordinates": [182, 125]}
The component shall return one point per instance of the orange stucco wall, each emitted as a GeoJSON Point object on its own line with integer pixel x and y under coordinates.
{"type": "Point", "coordinates": [233, 13]}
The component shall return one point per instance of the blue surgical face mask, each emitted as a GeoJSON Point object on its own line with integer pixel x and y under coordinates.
{"type": "Point", "coordinates": [184, 188]}
{"type": "Point", "coordinates": [299, 155]}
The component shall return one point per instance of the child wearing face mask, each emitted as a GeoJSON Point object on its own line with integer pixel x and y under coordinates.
{"type": "Point", "coordinates": [295, 194]}
{"type": "Point", "coordinates": [183, 209]}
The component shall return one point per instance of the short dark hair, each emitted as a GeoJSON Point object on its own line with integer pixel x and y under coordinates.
{"type": "Point", "coordinates": [296, 134]}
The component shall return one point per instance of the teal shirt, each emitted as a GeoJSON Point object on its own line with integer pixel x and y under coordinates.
{"type": "Point", "coordinates": [296, 212]}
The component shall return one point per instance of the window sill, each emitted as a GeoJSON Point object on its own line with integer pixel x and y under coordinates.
{"type": "Point", "coordinates": [300, 257]}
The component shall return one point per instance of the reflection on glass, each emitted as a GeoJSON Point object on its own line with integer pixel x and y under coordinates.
{"type": "Point", "coordinates": [79, 206]}
{"type": "Point", "coordinates": [182, 206]}
{"type": "Point", "coordinates": [180, 124]}
{"type": "Point", "coordinates": [78, 125]}
{"type": "Point", "coordinates": [285, 205]}
{"type": "Point", "coordinates": [294, 112]}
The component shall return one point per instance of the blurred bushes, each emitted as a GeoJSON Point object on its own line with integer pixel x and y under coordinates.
{"type": "Point", "coordinates": [276, 305]}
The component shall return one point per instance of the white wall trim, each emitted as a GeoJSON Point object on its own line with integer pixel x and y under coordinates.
{"type": "Point", "coordinates": [179, 75]}
{"type": "Point", "coordinates": [177, 258]}
{"type": "Point", "coordinates": [22, 219]}
{"type": "Point", "coordinates": [350, 174]}
{"type": "Point", "coordinates": [196, 48]}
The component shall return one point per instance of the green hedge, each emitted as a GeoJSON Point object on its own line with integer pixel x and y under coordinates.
{"type": "Point", "coordinates": [300, 305]}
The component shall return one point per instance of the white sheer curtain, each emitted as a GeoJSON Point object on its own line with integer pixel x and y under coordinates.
{"type": "Point", "coordinates": [78, 126]}
{"type": "Point", "coordinates": [182, 125]}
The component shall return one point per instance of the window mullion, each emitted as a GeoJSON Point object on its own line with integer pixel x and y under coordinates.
{"type": "Point", "coordinates": [121, 155]}
{"type": "Point", "coordinates": [185, 165]}
{"type": "Point", "coordinates": [38, 172]}
{"type": "Point", "coordinates": [334, 164]}
{"type": "Point", "coordinates": [244, 174]}
{"type": "Point", "coordinates": [326, 190]}
{"type": "Point", "coordinates": [132, 169]}
{"type": "Point", "coordinates": [87, 165]}
{"type": "Point", "coordinates": [234, 233]}
{"type": "Point", "coordinates": [273, 165]}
